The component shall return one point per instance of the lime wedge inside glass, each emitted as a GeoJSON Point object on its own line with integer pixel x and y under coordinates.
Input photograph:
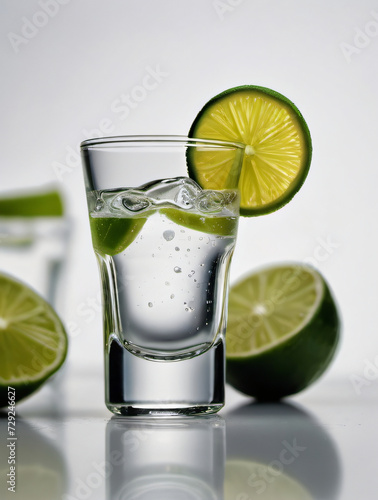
{"type": "Point", "coordinates": [112, 235]}
{"type": "Point", "coordinates": [222, 226]}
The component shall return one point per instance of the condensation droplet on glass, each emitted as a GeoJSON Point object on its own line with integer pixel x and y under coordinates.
{"type": "Point", "coordinates": [172, 296]}
{"type": "Point", "coordinates": [177, 269]}
{"type": "Point", "coordinates": [177, 249]}
{"type": "Point", "coordinates": [150, 304]}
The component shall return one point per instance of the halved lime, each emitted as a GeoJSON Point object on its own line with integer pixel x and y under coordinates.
{"type": "Point", "coordinates": [33, 342]}
{"type": "Point", "coordinates": [249, 480]}
{"type": "Point", "coordinates": [222, 226]}
{"type": "Point", "coordinates": [282, 332]}
{"type": "Point", "coordinates": [112, 235]}
{"type": "Point", "coordinates": [277, 147]}
{"type": "Point", "coordinates": [36, 204]}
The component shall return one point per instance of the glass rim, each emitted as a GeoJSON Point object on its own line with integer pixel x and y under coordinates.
{"type": "Point", "coordinates": [154, 140]}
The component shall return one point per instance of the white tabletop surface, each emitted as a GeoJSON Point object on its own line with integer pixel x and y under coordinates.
{"type": "Point", "coordinates": [320, 444]}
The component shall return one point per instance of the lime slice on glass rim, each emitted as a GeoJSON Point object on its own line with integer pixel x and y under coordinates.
{"type": "Point", "coordinates": [277, 143]}
{"type": "Point", "coordinates": [33, 341]}
{"type": "Point", "coordinates": [282, 332]}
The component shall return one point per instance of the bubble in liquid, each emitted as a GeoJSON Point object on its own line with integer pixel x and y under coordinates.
{"type": "Point", "coordinates": [172, 296]}
{"type": "Point", "coordinates": [168, 235]}
{"type": "Point", "coordinates": [150, 304]}
{"type": "Point", "coordinates": [177, 269]}
{"type": "Point", "coordinates": [177, 249]}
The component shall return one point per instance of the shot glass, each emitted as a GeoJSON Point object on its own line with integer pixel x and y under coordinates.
{"type": "Point", "coordinates": [33, 249]}
{"type": "Point", "coordinates": [163, 246]}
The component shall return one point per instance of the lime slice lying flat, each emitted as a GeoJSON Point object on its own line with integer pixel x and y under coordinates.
{"type": "Point", "coordinates": [39, 204]}
{"type": "Point", "coordinates": [112, 235]}
{"type": "Point", "coordinates": [277, 147]}
{"type": "Point", "coordinates": [33, 342]}
{"type": "Point", "coordinates": [282, 332]}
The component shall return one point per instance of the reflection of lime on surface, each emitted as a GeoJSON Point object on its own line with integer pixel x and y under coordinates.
{"type": "Point", "coordinates": [33, 342]}
{"type": "Point", "coordinates": [40, 469]}
{"type": "Point", "coordinates": [282, 332]}
{"type": "Point", "coordinates": [277, 147]}
{"type": "Point", "coordinates": [251, 480]}
{"type": "Point", "coordinates": [223, 226]}
{"type": "Point", "coordinates": [38, 204]}
{"type": "Point", "coordinates": [112, 235]}
{"type": "Point", "coordinates": [35, 482]}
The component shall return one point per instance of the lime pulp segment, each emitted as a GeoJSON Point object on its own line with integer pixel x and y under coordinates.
{"type": "Point", "coordinates": [33, 343]}
{"type": "Point", "coordinates": [269, 307]}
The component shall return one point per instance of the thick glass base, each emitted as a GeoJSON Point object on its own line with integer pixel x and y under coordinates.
{"type": "Point", "coordinates": [136, 386]}
{"type": "Point", "coordinates": [164, 410]}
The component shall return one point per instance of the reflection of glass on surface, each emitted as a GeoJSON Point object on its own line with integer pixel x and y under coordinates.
{"type": "Point", "coordinates": [168, 459]}
{"type": "Point", "coordinates": [33, 250]}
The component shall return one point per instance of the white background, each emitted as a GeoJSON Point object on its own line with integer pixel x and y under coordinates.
{"type": "Point", "coordinates": [64, 72]}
